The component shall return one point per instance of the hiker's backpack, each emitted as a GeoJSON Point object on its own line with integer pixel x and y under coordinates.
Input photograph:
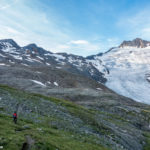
{"type": "Point", "coordinates": [15, 115]}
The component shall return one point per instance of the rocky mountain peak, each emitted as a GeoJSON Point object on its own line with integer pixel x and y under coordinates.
{"type": "Point", "coordinates": [31, 46]}
{"type": "Point", "coordinates": [35, 48]}
{"type": "Point", "coordinates": [138, 42]}
{"type": "Point", "coordinates": [8, 43]}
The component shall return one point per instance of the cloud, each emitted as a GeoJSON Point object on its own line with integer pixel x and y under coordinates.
{"type": "Point", "coordinates": [80, 42]}
{"type": "Point", "coordinates": [79, 47]}
{"type": "Point", "coordinates": [26, 25]}
{"type": "Point", "coordinates": [6, 4]}
{"type": "Point", "coordinates": [11, 30]}
{"type": "Point", "coordinates": [26, 22]}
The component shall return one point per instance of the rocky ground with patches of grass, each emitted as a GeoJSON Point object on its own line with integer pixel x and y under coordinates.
{"type": "Point", "coordinates": [50, 123]}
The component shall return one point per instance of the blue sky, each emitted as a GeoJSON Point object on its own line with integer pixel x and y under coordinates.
{"type": "Point", "coordinates": [82, 27]}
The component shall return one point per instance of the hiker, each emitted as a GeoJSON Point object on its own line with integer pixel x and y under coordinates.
{"type": "Point", "coordinates": [15, 117]}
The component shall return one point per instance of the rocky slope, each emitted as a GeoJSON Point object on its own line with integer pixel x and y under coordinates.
{"type": "Point", "coordinates": [113, 122]}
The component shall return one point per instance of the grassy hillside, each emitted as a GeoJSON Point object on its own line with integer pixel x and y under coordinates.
{"type": "Point", "coordinates": [47, 123]}
{"type": "Point", "coordinates": [41, 136]}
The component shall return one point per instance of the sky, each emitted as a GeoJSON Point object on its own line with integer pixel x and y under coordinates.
{"type": "Point", "coordinates": [81, 27]}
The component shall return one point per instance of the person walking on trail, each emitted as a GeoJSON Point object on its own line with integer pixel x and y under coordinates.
{"type": "Point", "coordinates": [15, 117]}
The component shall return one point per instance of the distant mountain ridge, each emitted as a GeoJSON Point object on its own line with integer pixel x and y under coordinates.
{"type": "Point", "coordinates": [34, 55]}
{"type": "Point", "coordinates": [139, 43]}
{"type": "Point", "coordinates": [108, 68]}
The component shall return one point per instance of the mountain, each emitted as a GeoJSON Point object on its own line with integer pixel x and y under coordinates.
{"type": "Point", "coordinates": [33, 69]}
{"type": "Point", "coordinates": [35, 82]}
{"type": "Point", "coordinates": [129, 69]}
{"type": "Point", "coordinates": [124, 69]}
{"type": "Point", "coordinates": [32, 55]}
{"type": "Point", "coordinates": [139, 43]}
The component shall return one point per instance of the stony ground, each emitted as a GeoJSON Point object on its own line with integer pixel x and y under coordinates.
{"type": "Point", "coordinates": [49, 123]}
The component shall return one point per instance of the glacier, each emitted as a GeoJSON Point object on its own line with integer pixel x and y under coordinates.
{"type": "Point", "coordinates": [128, 69]}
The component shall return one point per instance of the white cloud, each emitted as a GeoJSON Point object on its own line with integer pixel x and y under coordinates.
{"type": "Point", "coordinates": [79, 47]}
{"type": "Point", "coordinates": [11, 30]}
{"type": "Point", "coordinates": [4, 4]}
{"type": "Point", "coordinates": [25, 25]}
{"type": "Point", "coordinates": [80, 42]}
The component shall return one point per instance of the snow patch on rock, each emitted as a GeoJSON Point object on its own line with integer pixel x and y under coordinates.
{"type": "Point", "coordinates": [56, 84]}
{"type": "Point", "coordinates": [38, 82]}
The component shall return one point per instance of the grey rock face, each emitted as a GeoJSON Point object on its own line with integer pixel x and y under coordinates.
{"type": "Point", "coordinates": [139, 43]}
